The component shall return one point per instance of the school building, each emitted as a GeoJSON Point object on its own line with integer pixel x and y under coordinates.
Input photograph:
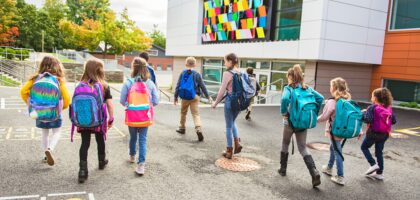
{"type": "Point", "coordinates": [370, 43]}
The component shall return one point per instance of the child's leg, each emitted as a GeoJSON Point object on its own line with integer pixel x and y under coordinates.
{"type": "Point", "coordinates": [287, 136]}
{"type": "Point", "coordinates": [56, 134]}
{"type": "Point", "coordinates": [332, 157]}
{"type": "Point", "coordinates": [83, 152]}
{"type": "Point", "coordinates": [195, 113]}
{"type": "Point", "coordinates": [133, 140]}
{"type": "Point", "coordinates": [100, 141]}
{"type": "Point", "coordinates": [301, 143]}
{"type": "Point", "coordinates": [184, 111]}
{"type": "Point", "coordinates": [229, 126]}
{"type": "Point", "coordinates": [367, 143]}
{"type": "Point", "coordinates": [339, 159]}
{"type": "Point", "coordinates": [142, 145]}
{"type": "Point", "coordinates": [379, 147]}
{"type": "Point", "coordinates": [45, 138]}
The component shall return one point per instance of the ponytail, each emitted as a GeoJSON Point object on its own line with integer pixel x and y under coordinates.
{"type": "Point", "coordinates": [296, 74]}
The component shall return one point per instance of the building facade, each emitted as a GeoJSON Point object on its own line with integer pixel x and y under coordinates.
{"type": "Point", "coordinates": [328, 38]}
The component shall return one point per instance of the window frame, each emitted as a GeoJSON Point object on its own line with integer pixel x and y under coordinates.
{"type": "Point", "coordinates": [391, 15]}
{"type": "Point", "coordinates": [275, 25]}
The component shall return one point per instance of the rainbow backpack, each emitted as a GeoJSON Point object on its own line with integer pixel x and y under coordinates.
{"type": "Point", "coordinates": [139, 112]}
{"type": "Point", "coordinates": [45, 100]}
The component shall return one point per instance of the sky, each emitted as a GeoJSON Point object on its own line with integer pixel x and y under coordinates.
{"type": "Point", "coordinates": [144, 12]}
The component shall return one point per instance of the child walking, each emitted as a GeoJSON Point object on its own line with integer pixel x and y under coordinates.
{"type": "Point", "coordinates": [296, 81]}
{"type": "Point", "coordinates": [91, 106]}
{"type": "Point", "coordinates": [189, 88]}
{"type": "Point", "coordinates": [46, 95]}
{"type": "Point", "coordinates": [339, 90]}
{"type": "Point", "coordinates": [139, 96]}
{"type": "Point", "coordinates": [256, 85]}
{"type": "Point", "coordinates": [225, 91]}
{"type": "Point", "coordinates": [380, 119]}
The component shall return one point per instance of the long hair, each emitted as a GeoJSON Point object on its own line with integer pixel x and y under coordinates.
{"type": "Point", "coordinates": [340, 88]}
{"type": "Point", "coordinates": [51, 65]}
{"type": "Point", "coordinates": [94, 72]}
{"type": "Point", "coordinates": [232, 58]}
{"type": "Point", "coordinates": [383, 96]}
{"type": "Point", "coordinates": [139, 68]}
{"type": "Point", "coordinates": [296, 74]}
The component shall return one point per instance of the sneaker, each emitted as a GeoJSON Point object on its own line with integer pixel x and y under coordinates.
{"type": "Point", "coordinates": [180, 130]}
{"type": "Point", "coordinates": [372, 169]}
{"type": "Point", "coordinates": [326, 170]}
{"type": "Point", "coordinates": [132, 159]}
{"type": "Point", "coordinates": [376, 176]}
{"type": "Point", "coordinates": [50, 159]}
{"type": "Point", "coordinates": [338, 179]}
{"type": "Point", "coordinates": [140, 169]}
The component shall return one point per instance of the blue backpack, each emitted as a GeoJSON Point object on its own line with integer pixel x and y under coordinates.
{"type": "Point", "coordinates": [303, 108]}
{"type": "Point", "coordinates": [348, 119]}
{"type": "Point", "coordinates": [242, 91]}
{"type": "Point", "coordinates": [187, 86]}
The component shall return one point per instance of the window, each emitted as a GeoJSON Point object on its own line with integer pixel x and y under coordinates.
{"type": "Point", "coordinates": [407, 91]}
{"type": "Point", "coordinates": [212, 74]}
{"type": "Point", "coordinates": [405, 14]}
{"type": "Point", "coordinates": [153, 52]}
{"type": "Point", "coordinates": [279, 74]}
{"type": "Point", "coordinates": [255, 64]}
{"type": "Point", "coordinates": [288, 16]}
{"type": "Point", "coordinates": [159, 67]}
{"type": "Point", "coordinates": [169, 67]}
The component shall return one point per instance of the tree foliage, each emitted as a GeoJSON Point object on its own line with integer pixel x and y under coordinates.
{"type": "Point", "coordinates": [8, 17]}
{"type": "Point", "coordinates": [158, 37]}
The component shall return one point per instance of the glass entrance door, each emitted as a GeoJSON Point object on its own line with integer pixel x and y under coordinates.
{"type": "Point", "coordinates": [262, 78]}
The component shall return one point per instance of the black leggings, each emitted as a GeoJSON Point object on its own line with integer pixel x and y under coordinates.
{"type": "Point", "coordinates": [100, 141]}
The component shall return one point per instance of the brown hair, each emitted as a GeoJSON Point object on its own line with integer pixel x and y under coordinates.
{"type": "Point", "coordinates": [232, 58]}
{"type": "Point", "coordinates": [383, 96]}
{"type": "Point", "coordinates": [296, 74]}
{"type": "Point", "coordinates": [340, 88]}
{"type": "Point", "coordinates": [51, 65]}
{"type": "Point", "coordinates": [145, 56]}
{"type": "Point", "coordinates": [139, 68]}
{"type": "Point", "coordinates": [94, 72]}
{"type": "Point", "coordinates": [250, 70]}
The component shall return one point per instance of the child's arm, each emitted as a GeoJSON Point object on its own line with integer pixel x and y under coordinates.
{"type": "Point", "coordinates": [65, 94]}
{"type": "Point", "coordinates": [202, 86]}
{"type": "Point", "coordinates": [368, 115]}
{"type": "Point", "coordinates": [285, 101]}
{"type": "Point", "coordinates": [154, 94]}
{"type": "Point", "coordinates": [318, 98]}
{"type": "Point", "coordinates": [177, 88]}
{"type": "Point", "coordinates": [394, 119]}
{"type": "Point", "coordinates": [26, 89]}
{"type": "Point", "coordinates": [124, 94]}
{"type": "Point", "coordinates": [328, 110]}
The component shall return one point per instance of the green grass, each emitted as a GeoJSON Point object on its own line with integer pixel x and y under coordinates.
{"type": "Point", "coordinates": [410, 105]}
{"type": "Point", "coordinates": [5, 81]}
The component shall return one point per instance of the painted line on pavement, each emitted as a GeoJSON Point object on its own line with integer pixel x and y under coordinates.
{"type": "Point", "coordinates": [20, 197]}
{"type": "Point", "coordinates": [410, 131]}
{"type": "Point", "coordinates": [91, 197]}
{"type": "Point", "coordinates": [9, 133]}
{"type": "Point", "coordinates": [65, 194]}
{"type": "Point", "coordinates": [2, 103]}
{"type": "Point", "coordinates": [43, 198]}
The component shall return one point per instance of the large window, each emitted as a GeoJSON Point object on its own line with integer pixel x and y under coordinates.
{"type": "Point", "coordinates": [404, 90]}
{"type": "Point", "coordinates": [405, 14]}
{"type": "Point", "coordinates": [255, 64]}
{"type": "Point", "coordinates": [279, 74]}
{"type": "Point", "coordinates": [212, 74]}
{"type": "Point", "coordinates": [288, 19]}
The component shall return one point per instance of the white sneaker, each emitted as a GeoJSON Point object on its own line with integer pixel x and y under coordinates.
{"type": "Point", "coordinates": [376, 176]}
{"type": "Point", "coordinates": [338, 179]}
{"type": "Point", "coordinates": [326, 170]}
{"type": "Point", "coordinates": [372, 169]}
{"type": "Point", "coordinates": [140, 169]}
{"type": "Point", "coordinates": [132, 159]}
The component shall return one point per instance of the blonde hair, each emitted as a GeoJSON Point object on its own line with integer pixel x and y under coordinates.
{"type": "Point", "coordinates": [296, 74]}
{"type": "Point", "coordinates": [190, 62]}
{"type": "Point", "coordinates": [139, 68]}
{"type": "Point", "coordinates": [51, 65]}
{"type": "Point", "coordinates": [94, 72]}
{"type": "Point", "coordinates": [340, 89]}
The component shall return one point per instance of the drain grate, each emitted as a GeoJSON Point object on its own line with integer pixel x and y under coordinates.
{"type": "Point", "coordinates": [320, 146]}
{"type": "Point", "coordinates": [238, 164]}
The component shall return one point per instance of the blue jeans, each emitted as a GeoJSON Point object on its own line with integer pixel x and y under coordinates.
{"type": "Point", "coordinates": [230, 117]}
{"type": "Point", "coordinates": [377, 139]}
{"type": "Point", "coordinates": [141, 133]}
{"type": "Point", "coordinates": [335, 156]}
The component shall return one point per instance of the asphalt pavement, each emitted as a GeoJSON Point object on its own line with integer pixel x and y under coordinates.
{"type": "Point", "coordinates": [179, 167]}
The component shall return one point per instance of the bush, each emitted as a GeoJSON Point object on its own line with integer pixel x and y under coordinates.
{"type": "Point", "coordinates": [9, 53]}
{"type": "Point", "coordinates": [410, 105]}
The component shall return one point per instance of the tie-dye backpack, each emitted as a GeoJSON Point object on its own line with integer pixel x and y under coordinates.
{"type": "Point", "coordinates": [139, 112]}
{"type": "Point", "coordinates": [88, 110]}
{"type": "Point", "coordinates": [45, 100]}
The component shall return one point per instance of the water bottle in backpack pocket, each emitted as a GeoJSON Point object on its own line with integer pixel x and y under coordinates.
{"type": "Point", "coordinates": [139, 111]}
{"type": "Point", "coordinates": [303, 108]}
{"type": "Point", "coordinates": [348, 119]}
{"type": "Point", "coordinates": [382, 119]}
{"type": "Point", "coordinates": [87, 109]}
{"type": "Point", "coordinates": [45, 100]}
{"type": "Point", "coordinates": [187, 85]}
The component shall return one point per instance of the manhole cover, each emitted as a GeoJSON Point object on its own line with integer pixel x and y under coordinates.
{"type": "Point", "coordinates": [238, 164]}
{"type": "Point", "coordinates": [320, 146]}
{"type": "Point", "coordinates": [399, 136]}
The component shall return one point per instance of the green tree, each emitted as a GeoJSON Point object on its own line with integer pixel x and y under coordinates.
{"type": "Point", "coordinates": [158, 37]}
{"type": "Point", "coordinates": [79, 10]}
{"type": "Point", "coordinates": [8, 21]}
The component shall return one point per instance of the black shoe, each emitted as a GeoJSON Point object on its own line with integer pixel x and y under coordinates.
{"type": "Point", "coordinates": [283, 163]}
{"type": "Point", "coordinates": [83, 171]}
{"type": "Point", "coordinates": [310, 164]}
{"type": "Point", "coordinates": [180, 130]}
{"type": "Point", "coordinates": [200, 136]}
{"type": "Point", "coordinates": [102, 162]}
{"type": "Point", "coordinates": [247, 116]}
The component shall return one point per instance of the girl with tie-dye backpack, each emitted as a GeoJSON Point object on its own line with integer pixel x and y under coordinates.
{"type": "Point", "coordinates": [46, 95]}
{"type": "Point", "coordinates": [139, 96]}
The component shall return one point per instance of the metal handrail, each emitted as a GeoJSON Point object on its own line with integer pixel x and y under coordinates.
{"type": "Point", "coordinates": [164, 93]}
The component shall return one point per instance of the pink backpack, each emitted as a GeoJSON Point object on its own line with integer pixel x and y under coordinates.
{"type": "Point", "coordinates": [382, 119]}
{"type": "Point", "coordinates": [139, 112]}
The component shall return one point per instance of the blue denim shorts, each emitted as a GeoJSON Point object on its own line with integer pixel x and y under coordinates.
{"type": "Point", "coordinates": [48, 125]}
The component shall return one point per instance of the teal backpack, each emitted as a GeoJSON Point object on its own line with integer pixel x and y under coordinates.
{"type": "Point", "coordinates": [348, 119]}
{"type": "Point", "coordinates": [303, 108]}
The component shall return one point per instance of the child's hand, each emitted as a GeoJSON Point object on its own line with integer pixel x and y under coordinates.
{"type": "Point", "coordinates": [110, 122]}
{"type": "Point", "coordinates": [213, 105]}
{"type": "Point", "coordinates": [176, 102]}
{"type": "Point", "coordinates": [364, 110]}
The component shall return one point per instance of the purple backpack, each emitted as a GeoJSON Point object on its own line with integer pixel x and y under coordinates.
{"type": "Point", "coordinates": [88, 110]}
{"type": "Point", "coordinates": [382, 119]}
